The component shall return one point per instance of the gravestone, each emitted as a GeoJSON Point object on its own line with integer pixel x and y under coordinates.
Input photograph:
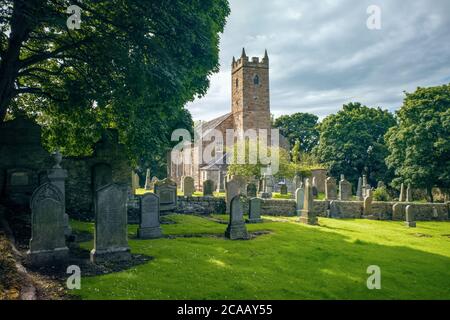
{"type": "Point", "coordinates": [397, 210]}
{"type": "Point", "coordinates": [402, 196]}
{"type": "Point", "coordinates": [242, 184]}
{"type": "Point", "coordinates": [345, 189]}
{"type": "Point", "coordinates": [148, 181]}
{"type": "Point", "coordinates": [368, 203]}
{"type": "Point", "coordinates": [314, 187]}
{"type": "Point", "coordinates": [267, 187]}
{"type": "Point", "coordinates": [297, 181]}
{"type": "Point", "coordinates": [236, 229]}
{"type": "Point", "coordinates": [251, 190]}
{"type": "Point", "coordinates": [208, 188]}
{"type": "Point", "coordinates": [57, 176]}
{"type": "Point", "coordinates": [410, 219]}
{"type": "Point", "coordinates": [299, 200]}
{"type": "Point", "coordinates": [111, 234]}
{"type": "Point", "coordinates": [254, 215]}
{"type": "Point", "coordinates": [283, 189]}
{"type": "Point", "coordinates": [134, 182]}
{"type": "Point", "coordinates": [330, 189]}
{"type": "Point", "coordinates": [307, 215]}
{"type": "Point", "coordinates": [188, 184]}
{"type": "Point", "coordinates": [359, 190]}
{"type": "Point", "coordinates": [232, 190]}
{"type": "Point", "coordinates": [101, 176]}
{"type": "Point", "coordinates": [149, 224]}
{"type": "Point", "coordinates": [409, 194]}
{"type": "Point", "coordinates": [166, 190]}
{"type": "Point", "coordinates": [48, 242]}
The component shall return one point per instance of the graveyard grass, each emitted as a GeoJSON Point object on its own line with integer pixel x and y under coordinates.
{"type": "Point", "coordinates": [293, 261]}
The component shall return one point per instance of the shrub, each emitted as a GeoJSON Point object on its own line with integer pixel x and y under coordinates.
{"type": "Point", "coordinates": [381, 194]}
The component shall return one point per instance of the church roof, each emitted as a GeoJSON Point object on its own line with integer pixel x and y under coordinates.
{"type": "Point", "coordinates": [206, 127]}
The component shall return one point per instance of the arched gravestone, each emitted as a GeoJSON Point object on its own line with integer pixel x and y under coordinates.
{"type": "Point", "coordinates": [188, 186]}
{"type": "Point", "coordinates": [299, 200]}
{"type": "Point", "coordinates": [254, 210]}
{"type": "Point", "coordinates": [208, 188]}
{"type": "Point", "coordinates": [48, 242]}
{"type": "Point", "coordinates": [111, 234]}
{"type": "Point", "coordinates": [149, 224]}
{"type": "Point", "coordinates": [166, 190]}
{"type": "Point", "coordinates": [330, 189]}
{"type": "Point", "coordinates": [236, 229]}
{"type": "Point", "coordinates": [232, 190]}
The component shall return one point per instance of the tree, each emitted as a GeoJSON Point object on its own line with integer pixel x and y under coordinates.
{"type": "Point", "coordinates": [352, 143]}
{"type": "Point", "coordinates": [299, 126]}
{"type": "Point", "coordinates": [420, 145]}
{"type": "Point", "coordinates": [132, 66]}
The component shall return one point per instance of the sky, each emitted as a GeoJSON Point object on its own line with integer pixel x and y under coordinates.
{"type": "Point", "coordinates": [323, 55]}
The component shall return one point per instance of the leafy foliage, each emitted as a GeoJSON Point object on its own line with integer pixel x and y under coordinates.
{"type": "Point", "coordinates": [352, 143]}
{"type": "Point", "coordinates": [381, 194]}
{"type": "Point", "coordinates": [420, 145]}
{"type": "Point", "coordinates": [299, 127]}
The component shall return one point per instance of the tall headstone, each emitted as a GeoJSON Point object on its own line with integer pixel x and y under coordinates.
{"type": "Point", "coordinates": [251, 190]}
{"type": "Point", "coordinates": [359, 190]}
{"type": "Point", "coordinates": [242, 184]}
{"type": "Point", "coordinates": [409, 194]}
{"type": "Point", "coordinates": [402, 197]}
{"type": "Point", "coordinates": [296, 182]}
{"type": "Point", "coordinates": [208, 188]}
{"type": "Point", "coordinates": [330, 189]}
{"type": "Point", "coordinates": [307, 215]}
{"type": "Point", "coordinates": [149, 223]}
{"type": "Point", "coordinates": [254, 215]}
{"type": "Point", "coordinates": [57, 176]}
{"type": "Point", "coordinates": [220, 182]}
{"type": "Point", "coordinates": [368, 203]}
{"type": "Point", "coordinates": [232, 190]}
{"type": "Point", "coordinates": [345, 189]}
{"type": "Point", "coordinates": [148, 181]}
{"type": "Point", "coordinates": [314, 187]}
{"type": "Point", "coordinates": [188, 184]}
{"type": "Point", "coordinates": [48, 242]}
{"type": "Point", "coordinates": [299, 200]}
{"type": "Point", "coordinates": [111, 234]}
{"type": "Point", "coordinates": [410, 219]}
{"type": "Point", "coordinates": [134, 182]}
{"type": "Point", "coordinates": [236, 229]}
{"type": "Point", "coordinates": [166, 190]}
{"type": "Point", "coordinates": [267, 187]}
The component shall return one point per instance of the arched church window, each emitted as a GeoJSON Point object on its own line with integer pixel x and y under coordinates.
{"type": "Point", "coordinates": [256, 80]}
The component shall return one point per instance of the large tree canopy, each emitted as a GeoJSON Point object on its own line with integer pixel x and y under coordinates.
{"type": "Point", "coordinates": [132, 66]}
{"type": "Point", "coordinates": [420, 145]}
{"type": "Point", "coordinates": [352, 142]}
{"type": "Point", "coordinates": [301, 127]}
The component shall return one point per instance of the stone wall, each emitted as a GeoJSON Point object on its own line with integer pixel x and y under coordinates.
{"type": "Point", "coordinates": [423, 211]}
{"type": "Point", "coordinates": [278, 207]}
{"type": "Point", "coordinates": [201, 205]}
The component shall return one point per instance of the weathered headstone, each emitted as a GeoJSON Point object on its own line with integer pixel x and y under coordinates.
{"type": "Point", "coordinates": [149, 224]}
{"type": "Point", "coordinates": [134, 183]}
{"type": "Point", "coordinates": [299, 200]}
{"type": "Point", "coordinates": [148, 181]}
{"type": "Point", "coordinates": [208, 188]}
{"type": "Point", "coordinates": [402, 196]}
{"type": "Point", "coordinates": [410, 219]}
{"type": "Point", "coordinates": [314, 187]}
{"type": "Point", "coordinates": [254, 215]}
{"type": "Point", "coordinates": [236, 229]}
{"type": "Point", "coordinates": [48, 242]}
{"type": "Point", "coordinates": [251, 190]}
{"type": "Point", "coordinates": [166, 190]}
{"type": "Point", "coordinates": [359, 190]}
{"type": "Point", "coordinates": [242, 184]}
{"type": "Point", "coordinates": [110, 239]}
{"type": "Point", "coordinates": [367, 208]}
{"type": "Point", "coordinates": [297, 182]}
{"type": "Point", "coordinates": [283, 189]}
{"type": "Point", "coordinates": [267, 187]}
{"type": "Point", "coordinates": [345, 189]}
{"type": "Point", "coordinates": [188, 184]}
{"type": "Point", "coordinates": [307, 214]}
{"type": "Point", "coordinates": [232, 190]}
{"type": "Point", "coordinates": [409, 194]}
{"type": "Point", "coordinates": [330, 189]}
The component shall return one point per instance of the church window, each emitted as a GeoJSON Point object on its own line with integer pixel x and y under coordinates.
{"type": "Point", "coordinates": [256, 80]}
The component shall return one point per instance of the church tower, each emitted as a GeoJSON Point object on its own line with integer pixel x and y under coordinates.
{"type": "Point", "coordinates": [250, 93]}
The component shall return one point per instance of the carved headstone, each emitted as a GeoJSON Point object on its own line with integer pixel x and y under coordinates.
{"type": "Point", "coordinates": [345, 189]}
{"type": "Point", "coordinates": [410, 219]}
{"type": "Point", "coordinates": [149, 224]}
{"type": "Point", "coordinates": [208, 188]}
{"type": "Point", "coordinates": [48, 243]}
{"type": "Point", "coordinates": [254, 215]}
{"type": "Point", "coordinates": [148, 181]}
{"type": "Point", "coordinates": [166, 190]}
{"type": "Point", "coordinates": [307, 214]}
{"type": "Point", "coordinates": [236, 229]}
{"type": "Point", "coordinates": [188, 184]}
{"type": "Point", "coordinates": [330, 189]}
{"type": "Point", "coordinates": [110, 239]}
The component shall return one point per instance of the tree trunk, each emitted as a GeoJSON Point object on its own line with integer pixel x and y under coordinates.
{"type": "Point", "coordinates": [10, 63]}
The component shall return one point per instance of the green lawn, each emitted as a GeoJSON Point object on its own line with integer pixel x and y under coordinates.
{"type": "Point", "coordinates": [292, 262]}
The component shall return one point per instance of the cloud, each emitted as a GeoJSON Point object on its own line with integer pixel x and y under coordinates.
{"type": "Point", "coordinates": [322, 54]}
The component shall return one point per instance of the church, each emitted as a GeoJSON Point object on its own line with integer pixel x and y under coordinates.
{"type": "Point", "coordinates": [250, 109]}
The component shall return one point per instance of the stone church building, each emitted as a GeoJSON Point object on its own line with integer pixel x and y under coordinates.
{"type": "Point", "coordinates": [250, 109]}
